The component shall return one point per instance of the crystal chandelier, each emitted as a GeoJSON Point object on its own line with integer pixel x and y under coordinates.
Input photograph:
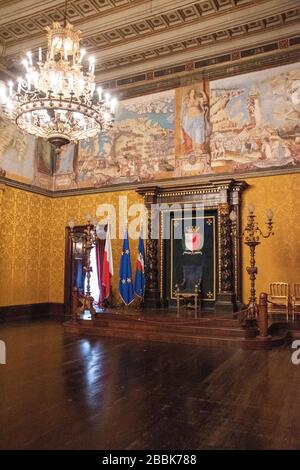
{"type": "Point", "coordinates": [56, 99]}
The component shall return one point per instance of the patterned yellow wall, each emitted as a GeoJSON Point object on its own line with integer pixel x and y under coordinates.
{"type": "Point", "coordinates": [32, 231]}
{"type": "Point", "coordinates": [25, 250]}
{"type": "Point", "coordinates": [278, 258]}
{"type": "Point", "coordinates": [32, 241]}
{"type": "Point", "coordinates": [76, 207]}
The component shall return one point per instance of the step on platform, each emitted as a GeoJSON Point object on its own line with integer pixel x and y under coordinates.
{"type": "Point", "coordinates": [207, 330]}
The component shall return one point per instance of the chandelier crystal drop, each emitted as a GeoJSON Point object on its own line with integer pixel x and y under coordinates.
{"type": "Point", "coordinates": [56, 99]}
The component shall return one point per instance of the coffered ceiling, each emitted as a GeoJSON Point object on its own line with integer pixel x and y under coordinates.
{"type": "Point", "coordinates": [128, 37]}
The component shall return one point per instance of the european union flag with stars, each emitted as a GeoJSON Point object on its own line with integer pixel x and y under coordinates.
{"type": "Point", "coordinates": [125, 283]}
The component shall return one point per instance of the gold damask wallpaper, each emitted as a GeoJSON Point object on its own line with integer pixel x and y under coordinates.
{"type": "Point", "coordinates": [32, 243]}
{"type": "Point", "coordinates": [25, 250]}
{"type": "Point", "coordinates": [278, 258]}
{"type": "Point", "coordinates": [32, 231]}
{"type": "Point", "coordinates": [76, 207]}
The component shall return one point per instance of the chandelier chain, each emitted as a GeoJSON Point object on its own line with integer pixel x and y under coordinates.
{"type": "Point", "coordinates": [66, 13]}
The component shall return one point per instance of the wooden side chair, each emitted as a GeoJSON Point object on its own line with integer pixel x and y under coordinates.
{"type": "Point", "coordinates": [295, 298]}
{"type": "Point", "coordinates": [280, 296]}
{"type": "Point", "coordinates": [190, 287]}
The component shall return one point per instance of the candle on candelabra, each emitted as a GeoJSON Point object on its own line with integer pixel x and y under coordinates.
{"type": "Point", "coordinates": [252, 235]}
{"type": "Point", "coordinates": [28, 76]}
{"type": "Point", "coordinates": [3, 94]}
{"type": "Point", "coordinates": [29, 55]}
{"type": "Point", "coordinates": [92, 88]}
{"type": "Point", "coordinates": [10, 87]}
{"type": "Point", "coordinates": [82, 52]}
{"type": "Point", "coordinates": [92, 64]}
{"type": "Point", "coordinates": [113, 105]}
{"type": "Point", "coordinates": [71, 84]}
{"type": "Point", "coordinates": [25, 63]}
{"type": "Point", "coordinates": [251, 208]}
{"type": "Point", "coordinates": [19, 84]}
{"type": "Point", "coordinates": [71, 224]}
{"type": "Point", "coordinates": [81, 86]}
{"type": "Point", "coordinates": [88, 218]}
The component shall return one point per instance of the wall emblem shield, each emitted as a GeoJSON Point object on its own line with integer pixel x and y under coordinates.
{"type": "Point", "coordinates": [193, 241]}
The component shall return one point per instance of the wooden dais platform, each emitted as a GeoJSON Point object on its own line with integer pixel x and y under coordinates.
{"type": "Point", "coordinates": [208, 330]}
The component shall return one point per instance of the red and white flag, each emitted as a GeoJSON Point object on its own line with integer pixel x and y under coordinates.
{"type": "Point", "coordinates": [108, 267]}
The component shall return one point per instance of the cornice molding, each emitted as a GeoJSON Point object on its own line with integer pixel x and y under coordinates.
{"type": "Point", "coordinates": [203, 52]}
{"type": "Point", "coordinates": [130, 37]}
{"type": "Point", "coordinates": [222, 21]}
{"type": "Point", "coordinates": [214, 68]}
{"type": "Point", "coordinates": [165, 184]}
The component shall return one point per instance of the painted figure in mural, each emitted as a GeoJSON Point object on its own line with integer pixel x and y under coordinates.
{"type": "Point", "coordinates": [266, 149]}
{"type": "Point", "coordinates": [12, 141]}
{"type": "Point", "coordinates": [44, 156]}
{"type": "Point", "coordinates": [64, 161]}
{"type": "Point", "coordinates": [294, 91]}
{"type": "Point", "coordinates": [194, 121]}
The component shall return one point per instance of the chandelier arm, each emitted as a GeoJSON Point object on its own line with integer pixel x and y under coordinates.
{"type": "Point", "coordinates": [89, 111]}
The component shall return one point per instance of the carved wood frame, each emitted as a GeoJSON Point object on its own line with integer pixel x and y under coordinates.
{"type": "Point", "coordinates": [223, 195]}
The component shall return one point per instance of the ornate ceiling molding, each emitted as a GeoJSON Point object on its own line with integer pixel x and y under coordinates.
{"type": "Point", "coordinates": [197, 47]}
{"type": "Point", "coordinates": [14, 11]}
{"type": "Point", "coordinates": [134, 37]}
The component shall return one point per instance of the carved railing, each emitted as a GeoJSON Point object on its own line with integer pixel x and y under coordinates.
{"type": "Point", "coordinates": [262, 319]}
{"type": "Point", "coordinates": [263, 315]}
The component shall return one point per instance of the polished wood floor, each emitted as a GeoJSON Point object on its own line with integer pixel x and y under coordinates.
{"type": "Point", "coordinates": [63, 392]}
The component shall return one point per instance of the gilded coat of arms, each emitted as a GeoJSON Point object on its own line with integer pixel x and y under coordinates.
{"type": "Point", "coordinates": [192, 241]}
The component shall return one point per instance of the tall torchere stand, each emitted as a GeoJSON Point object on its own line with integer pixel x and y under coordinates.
{"type": "Point", "coordinates": [252, 236]}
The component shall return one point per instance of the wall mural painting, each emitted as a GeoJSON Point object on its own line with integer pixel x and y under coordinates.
{"type": "Point", "coordinates": [16, 152]}
{"type": "Point", "coordinates": [44, 156]}
{"type": "Point", "coordinates": [193, 131]}
{"type": "Point", "coordinates": [256, 120]}
{"type": "Point", "coordinates": [65, 167]}
{"type": "Point", "coordinates": [237, 124]}
{"type": "Point", "coordinates": [140, 146]}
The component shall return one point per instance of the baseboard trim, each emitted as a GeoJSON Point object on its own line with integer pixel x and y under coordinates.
{"type": "Point", "coordinates": [29, 311]}
{"type": "Point", "coordinates": [56, 309]}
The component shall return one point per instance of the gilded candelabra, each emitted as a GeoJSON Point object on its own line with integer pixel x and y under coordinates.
{"type": "Point", "coordinates": [89, 239]}
{"type": "Point", "coordinates": [252, 236]}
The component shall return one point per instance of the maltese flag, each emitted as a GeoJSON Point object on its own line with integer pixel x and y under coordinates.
{"type": "Point", "coordinates": [108, 267]}
{"type": "Point", "coordinates": [139, 284]}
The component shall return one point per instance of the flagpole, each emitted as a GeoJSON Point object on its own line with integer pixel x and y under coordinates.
{"type": "Point", "coordinates": [139, 283]}
{"type": "Point", "coordinates": [126, 289]}
{"type": "Point", "coordinates": [142, 238]}
{"type": "Point", "coordinates": [141, 298]}
{"type": "Point", "coordinates": [107, 269]}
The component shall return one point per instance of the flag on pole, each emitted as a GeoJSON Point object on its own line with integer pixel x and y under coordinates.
{"type": "Point", "coordinates": [139, 283]}
{"type": "Point", "coordinates": [108, 267]}
{"type": "Point", "coordinates": [125, 283]}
